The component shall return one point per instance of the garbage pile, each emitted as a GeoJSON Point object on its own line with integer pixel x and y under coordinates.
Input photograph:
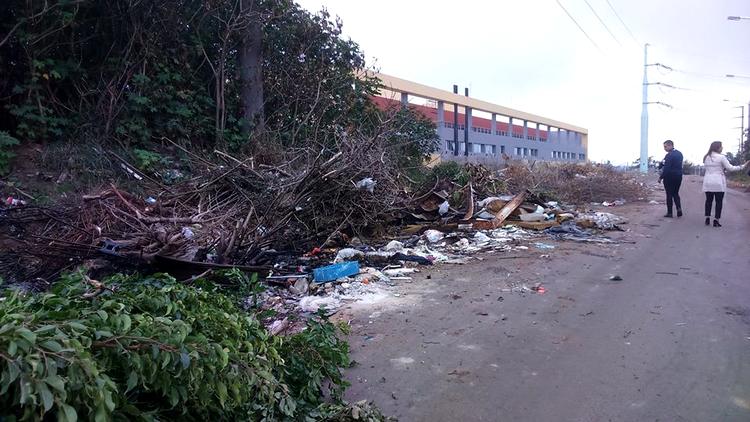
{"type": "Point", "coordinates": [285, 222]}
{"type": "Point", "coordinates": [328, 279]}
{"type": "Point", "coordinates": [358, 273]}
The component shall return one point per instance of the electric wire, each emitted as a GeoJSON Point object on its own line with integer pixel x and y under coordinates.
{"type": "Point", "coordinates": [579, 26]}
{"type": "Point", "coordinates": [602, 22]}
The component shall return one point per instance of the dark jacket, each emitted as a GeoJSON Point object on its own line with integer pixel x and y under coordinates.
{"type": "Point", "coordinates": [672, 165]}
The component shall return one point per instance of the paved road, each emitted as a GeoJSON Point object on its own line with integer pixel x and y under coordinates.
{"type": "Point", "coordinates": [670, 342]}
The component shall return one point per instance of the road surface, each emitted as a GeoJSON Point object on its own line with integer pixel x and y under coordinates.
{"type": "Point", "coordinates": [669, 342]}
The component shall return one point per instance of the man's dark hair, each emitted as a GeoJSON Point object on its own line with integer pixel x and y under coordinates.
{"type": "Point", "coordinates": [668, 142]}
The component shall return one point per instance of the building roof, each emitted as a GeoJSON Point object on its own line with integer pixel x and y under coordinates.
{"type": "Point", "coordinates": [394, 84]}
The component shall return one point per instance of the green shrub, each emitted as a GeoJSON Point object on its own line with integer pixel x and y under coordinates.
{"type": "Point", "coordinates": [154, 349]}
{"type": "Point", "coordinates": [7, 142]}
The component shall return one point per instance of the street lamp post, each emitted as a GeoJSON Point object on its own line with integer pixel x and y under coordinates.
{"type": "Point", "coordinates": [741, 128]}
{"type": "Point", "coordinates": [729, 75]}
{"type": "Point", "coordinates": [742, 143]}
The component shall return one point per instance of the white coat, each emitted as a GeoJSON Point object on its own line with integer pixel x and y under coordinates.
{"type": "Point", "coordinates": [714, 179]}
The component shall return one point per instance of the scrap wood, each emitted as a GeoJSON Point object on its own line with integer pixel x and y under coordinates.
{"type": "Point", "coordinates": [536, 225]}
{"type": "Point", "coordinates": [184, 264]}
{"type": "Point", "coordinates": [469, 203]}
{"type": "Point", "coordinates": [502, 215]}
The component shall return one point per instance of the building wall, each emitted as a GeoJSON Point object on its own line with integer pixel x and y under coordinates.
{"type": "Point", "coordinates": [542, 145]}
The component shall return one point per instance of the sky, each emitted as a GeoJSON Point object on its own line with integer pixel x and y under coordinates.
{"type": "Point", "coordinates": [531, 56]}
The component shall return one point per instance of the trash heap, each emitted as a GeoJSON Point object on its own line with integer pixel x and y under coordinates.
{"type": "Point", "coordinates": [297, 225]}
{"type": "Point", "coordinates": [329, 279]}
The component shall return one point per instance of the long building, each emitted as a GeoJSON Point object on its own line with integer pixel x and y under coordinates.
{"type": "Point", "coordinates": [489, 130]}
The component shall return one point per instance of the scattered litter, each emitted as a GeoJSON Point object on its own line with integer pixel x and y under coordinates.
{"type": "Point", "coordinates": [367, 184]}
{"type": "Point", "coordinates": [570, 231]}
{"type": "Point", "coordinates": [14, 202]}
{"type": "Point", "coordinates": [540, 245]}
{"type": "Point", "coordinates": [666, 273]}
{"type": "Point", "coordinates": [434, 236]}
{"type": "Point", "coordinates": [652, 202]}
{"type": "Point", "coordinates": [616, 203]}
{"type": "Point", "coordinates": [443, 208]}
{"type": "Point", "coordinates": [533, 217]}
{"type": "Point", "coordinates": [616, 278]}
{"type": "Point", "coordinates": [539, 289]}
{"type": "Point", "coordinates": [187, 233]}
{"type": "Point", "coordinates": [481, 237]}
{"type": "Point", "coordinates": [399, 272]}
{"type": "Point", "coordinates": [600, 220]}
{"type": "Point", "coordinates": [313, 303]}
{"type": "Point", "coordinates": [394, 245]}
{"type": "Point", "coordinates": [347, 253]}
{"type": "Point", "coordinates": [335, 271]}
{"type": "Point", "coordinates": [278, 326]}
{"type": "Point", "coordinates": [681, 323]}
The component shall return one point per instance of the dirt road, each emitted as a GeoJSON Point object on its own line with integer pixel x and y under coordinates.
{"type": "Point", "coordinates": [669, 342]}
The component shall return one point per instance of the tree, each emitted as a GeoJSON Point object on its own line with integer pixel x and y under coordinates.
{"type": "Point", "coordinates": [251, 68]}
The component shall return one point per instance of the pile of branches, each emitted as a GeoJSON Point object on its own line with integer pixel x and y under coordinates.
{"type": "Point", "coordinates": [573, 183]}
{"type": "Point", "coordinates": [233, 211]}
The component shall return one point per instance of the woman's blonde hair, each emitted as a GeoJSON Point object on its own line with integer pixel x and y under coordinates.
{"type": "Point", "coordinates": [715, 147]}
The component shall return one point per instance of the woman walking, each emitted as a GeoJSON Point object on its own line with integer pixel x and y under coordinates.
{"type": "Point", "coordinates": [714, 181]}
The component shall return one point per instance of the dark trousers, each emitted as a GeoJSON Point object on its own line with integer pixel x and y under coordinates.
{"type": "Point", "coordinates": [672, 187]}
{"type": "Point", "coordinates": [719, 203]}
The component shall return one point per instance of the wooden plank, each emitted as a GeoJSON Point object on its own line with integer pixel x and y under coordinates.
{"type": "Point", "coordinates": [469, 203]}
{"type": "Point", "coordinates": [509, 208]}
{"type": "Point", "coordinates": [535, 225]}
{"type": "Point", "coordinates": [502, 215]}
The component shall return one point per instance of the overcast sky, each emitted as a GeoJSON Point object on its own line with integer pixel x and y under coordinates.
{"type": "Point", "coordinates": [529, 55]}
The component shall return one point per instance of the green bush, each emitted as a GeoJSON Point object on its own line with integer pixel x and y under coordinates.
{"type": "Point", "coordinates": [154, 349]}
{"type": "Point", "coordinates": [6, 143]}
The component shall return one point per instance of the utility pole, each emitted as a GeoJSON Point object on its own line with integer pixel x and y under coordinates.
{"type": "Point", "coordinates": [644, 113]}
{"type": "Point", "coordinates": [467, 116]}
{"type": "Point", "coordinates": [742, 129]}
{"type": "Point", "coordinates": [455, 123]}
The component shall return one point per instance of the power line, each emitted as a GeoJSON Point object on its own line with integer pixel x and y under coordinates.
{"type": "Point", "coordinates": [602, 22]}
{"type": "Point", "coordinates": [622, 22]}
{"type": "Point", "coordinates": [579, 26]}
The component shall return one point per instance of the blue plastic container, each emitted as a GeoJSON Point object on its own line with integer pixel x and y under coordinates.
{"type": "Point", "coordinates": [335, 271]}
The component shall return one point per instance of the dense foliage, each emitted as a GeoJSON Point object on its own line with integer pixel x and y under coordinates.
{"type": "Point", "coordinates": [135, 71]}
{"type": "Point", "coordinates": [154, 349]}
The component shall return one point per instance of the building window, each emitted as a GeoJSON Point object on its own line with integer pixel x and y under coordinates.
{"type": "Point", "coordinates": [477, 148]}
{"type": "Point", "coordinates": [581, 156]}
{"type": "Point", "coordinates": [494, 150]}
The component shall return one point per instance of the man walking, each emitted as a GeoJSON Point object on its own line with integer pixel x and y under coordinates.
{"type": "Point", "coordinates": [671, 173]}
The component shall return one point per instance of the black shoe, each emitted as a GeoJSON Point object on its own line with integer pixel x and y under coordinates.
{"type": "Point", "coordinates": [668, 215]}
{"type": "Point", "coordinates": [716, 223]}
{"type": "Point", "coordinates": [708, 220]}
{"type": "Point", "coordinates": [679, 213]}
